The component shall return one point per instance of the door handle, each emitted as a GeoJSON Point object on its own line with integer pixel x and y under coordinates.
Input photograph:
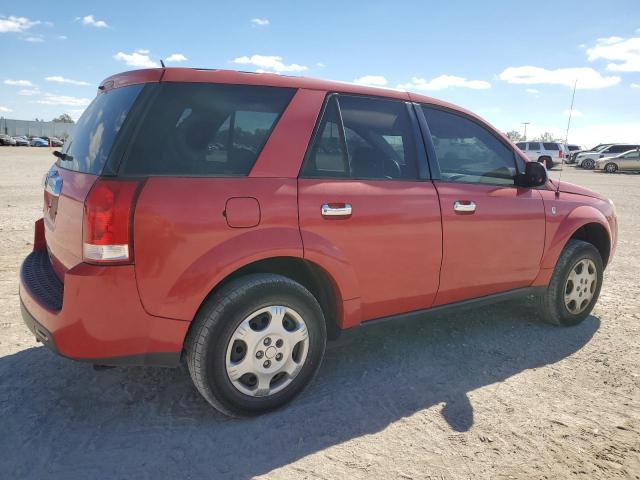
{"type": "Point", "coordinates": [464, 206]}
{"type": "Point", "coordinates": [336, 210]}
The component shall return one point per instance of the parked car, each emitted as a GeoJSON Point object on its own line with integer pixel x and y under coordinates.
{"type": "Point", "coordinates": [549, 153]}
{"type": "Point", "coordinates": [22, 141]}
{"type": "Point", "coordinates": [588, 159]}
{"type": "Point", "coordinates": [597, 148]}
{"type": "Point", "coordinates": [572, 149]}
{"type": "Point", "coordinates": [7, 140]}
{"type": "Point", "coordinates": [56, 142]}
{"type": "Point", "coordinates": [629, 160]}
{"type": "Point", "coordinates": [323, 207]}
{"type": "Point", "coordinates": [39, 142]}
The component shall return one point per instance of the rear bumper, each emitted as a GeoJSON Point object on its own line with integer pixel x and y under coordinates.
{"type": "Point", "coordinates": [95, 315]}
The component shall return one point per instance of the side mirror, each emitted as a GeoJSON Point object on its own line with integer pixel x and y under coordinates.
{"type": "Point", "coordinates": [535, 175]}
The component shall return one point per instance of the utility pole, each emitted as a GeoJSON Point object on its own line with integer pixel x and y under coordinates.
{"type": "Point", "coordinates": [525, 130]}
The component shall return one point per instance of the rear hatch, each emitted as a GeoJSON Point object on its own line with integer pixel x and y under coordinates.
{"type": "Point", "coordinates": [81, 161]}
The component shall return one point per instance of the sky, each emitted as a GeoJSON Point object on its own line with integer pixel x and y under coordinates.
{"type": "Point", "coordinates": [509, 62]}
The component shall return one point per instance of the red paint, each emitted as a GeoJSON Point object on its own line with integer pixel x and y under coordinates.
{"type": "Point", "coordinates": [403, 248]}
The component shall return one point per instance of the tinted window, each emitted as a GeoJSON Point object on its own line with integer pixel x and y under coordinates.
{"type": "Point", "coordinates": [573, 148]}
{"type": "Point", "coordinates": [93, 135]}
{"type": "Point", "coordinates": [327, 157]}
{"type": "Point", "coordinates": [620, 148]}
{"type": "Point", "coordinates": [468, 152]}
{"type": "Point", "coordinates": [205, 129]}
{"type": "Point", "coordinates": [550, 146]}
{"type": "Point", "coordinates": [521, 145]}
{"type": "Point", "coordinates": [635, 154]}
{"type": "Point", "coordinates": [378, 141]}
{"type": "Point", "coordinates": [534, 146]}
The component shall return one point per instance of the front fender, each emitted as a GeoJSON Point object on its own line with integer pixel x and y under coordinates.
{"type": "Point", "coordinates": [560, 231]}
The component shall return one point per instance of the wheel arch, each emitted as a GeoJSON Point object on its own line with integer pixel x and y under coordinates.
{"type": "Point", "coordinates": [584, 223]}
{"type": "Point", "coordinates": [309, 274]}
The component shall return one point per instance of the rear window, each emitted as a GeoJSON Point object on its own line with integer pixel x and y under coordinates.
{"type": "Point", "coordinates": [92, 137]}
{"type": "Point", "coordinates": [205, 129]}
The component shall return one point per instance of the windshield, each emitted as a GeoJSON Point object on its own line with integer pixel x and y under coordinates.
{"type": "Point", "coordinates": [90, 143]}
{"type": "Point", "coordinates": [597, 148]}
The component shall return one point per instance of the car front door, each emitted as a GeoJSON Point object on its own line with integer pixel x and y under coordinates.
{"type": "Point", "coordinates": [629, 161]}
{"type": "Point", "coordinates": [493, 231]}
{"type": "Point", "coordinates": [367, 212]}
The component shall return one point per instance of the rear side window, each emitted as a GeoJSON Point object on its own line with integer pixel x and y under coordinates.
{"type": "Point", "coordinates": [551, 146]}
{"type": "Point", "coordinates": [363, 138]}
{"type": "Point", "coordinates": [92, 138]}
{"type": "Point", "coordinates": [468, 152]}
{"type": "Point", "coordinates": [205, 129]}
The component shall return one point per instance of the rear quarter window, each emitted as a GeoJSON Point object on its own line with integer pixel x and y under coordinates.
{"type": "Point", "coordinates": [93, 136]}
{"type": "Point", "coordinates": [551, 146]}
{"type": "Point", "coordinates": [205, 129]}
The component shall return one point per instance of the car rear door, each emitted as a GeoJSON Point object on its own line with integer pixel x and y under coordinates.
{"type": "Point", "coordinates": [493, 231]}
{"type": "Point", "coordinates": [367, 209]}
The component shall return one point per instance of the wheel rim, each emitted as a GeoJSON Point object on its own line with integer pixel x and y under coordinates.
{"type": "Point", "coordinates": [589, 164]}
{"type": "Point", "coordinates": [580, 286]}
{"type": "Point", "coordinates": [611, 168]}
{"type": "Point", "coordinates": [267, 351]}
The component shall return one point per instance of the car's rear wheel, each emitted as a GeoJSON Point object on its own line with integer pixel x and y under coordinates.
{"type": "Point", "coordinates": [589, 164]}
{"type": "Point", "coordinates": [575, 285]}
{"type": "Point", "coordinates": [256, 344]}
{"type": "Point", "coordinates": [610, 168]}
{"type": "Point", "coordinates": [547, 162]}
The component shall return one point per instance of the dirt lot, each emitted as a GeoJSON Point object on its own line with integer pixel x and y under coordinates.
{"type": "Point", "coordinates": [485, 394]}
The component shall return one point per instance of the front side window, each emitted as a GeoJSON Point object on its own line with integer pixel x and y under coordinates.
{"type": "Point", "coordinates": [363, 138]}
{"type": "Point", "coordinates": [205, 129]}
{"type": "Point", "coordinates": [468, 152]}
{"type": "Point", "coordinates": [633, 155]}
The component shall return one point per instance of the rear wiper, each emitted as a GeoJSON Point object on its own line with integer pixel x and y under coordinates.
{"type": "Point", "coordinates": [62, 156]}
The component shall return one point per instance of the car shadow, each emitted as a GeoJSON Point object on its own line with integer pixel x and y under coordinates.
{"type": "Point", "coordinates": [62, 419]}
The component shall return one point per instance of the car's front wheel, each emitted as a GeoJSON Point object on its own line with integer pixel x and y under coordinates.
{"type": "Point", "coordinates": [610, 168]}
{"type": "Point", "coordinates": [589, 164]}
{"type": "Point", "coordinates": [575, 285]}
{"type": "Point", "coordinates": [255, 344]}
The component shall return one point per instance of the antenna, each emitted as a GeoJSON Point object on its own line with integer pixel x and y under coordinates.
{"type": "Point", "coordinates": [162, 63]}
{"type": "Point", "coordinates": [566, 136]}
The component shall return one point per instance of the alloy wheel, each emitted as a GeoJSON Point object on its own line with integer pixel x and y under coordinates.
{"type": "Point", "coordinates": [580, 286]}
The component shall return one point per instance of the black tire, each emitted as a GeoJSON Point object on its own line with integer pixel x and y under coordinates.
{"type": "Point", "coordinates": [611, 167]}
{"type": "Point", "coordinates": [217, 320]}
{"type": "Point", "coordinates": [552, 308]}
{"type": "Point", "coordinates": [547, 161]}
{"type": "Point", "coordinates": [588, 164]}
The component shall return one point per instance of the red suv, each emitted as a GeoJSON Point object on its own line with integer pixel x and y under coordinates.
{"type": "Point", "coordinates": [238, 220]}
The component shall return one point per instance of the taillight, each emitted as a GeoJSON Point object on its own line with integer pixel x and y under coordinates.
{"type": "Point", "coordinates": [561, 153]}
{"type": "Point", "coordinates": [108, 216]}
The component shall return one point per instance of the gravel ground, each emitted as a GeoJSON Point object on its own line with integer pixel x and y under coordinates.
{"type": "Point", "coordinates": [490, 393]}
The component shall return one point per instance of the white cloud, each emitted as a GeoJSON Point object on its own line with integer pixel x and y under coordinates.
{"type": "Point", "coordinates": [624, 54]}
{"type": "Point", "coordinates": [29, 92]}
{"type": "Point", "coordinates": [529, 75]}
{"type": "Point", "coordinates": [576, 113]}
{"type": "Point", "coordinates": [269, 62]}
{"type": "Point", "coordinates": [139, 59]}
{"type": "Point", "coordinates": [62, 37]}
{"type": "Point", "coordinates": [260, 21]}
{"type": "Point", "coordinates": [53, 99]}
{"type": "Point", "coordinates": [176, 57]}
{"type": "Point", "coordinates": [635, 85]}
{"type": "Point", "coordinates": [59, 79]}
{"type": "Point", "coordinates": [320, 64]}
{"type": "Point", "coordinates": [34, 38]}
{"type": "Point", "coordinates": [532, 90]}
{"type": "Point", "coordinates": [5, 109]}
{"type": "Point", "coordinates": [16, 24]}
{"type": "Point", "coordinates": [371, 80]}
{"type": "Point", "coordinates": [75, 113]}
{"type": "Point", "coordinates": [18, 83]}
{"type": "Point", "coordinates": [92, 22]}
{"type": "Point", "coordinates": [442, 82]}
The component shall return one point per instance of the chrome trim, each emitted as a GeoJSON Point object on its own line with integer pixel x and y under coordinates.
{"type": "Point", "coordinates": [328, 211]}
{"type": "Point", "coordinates": [467, 207]}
